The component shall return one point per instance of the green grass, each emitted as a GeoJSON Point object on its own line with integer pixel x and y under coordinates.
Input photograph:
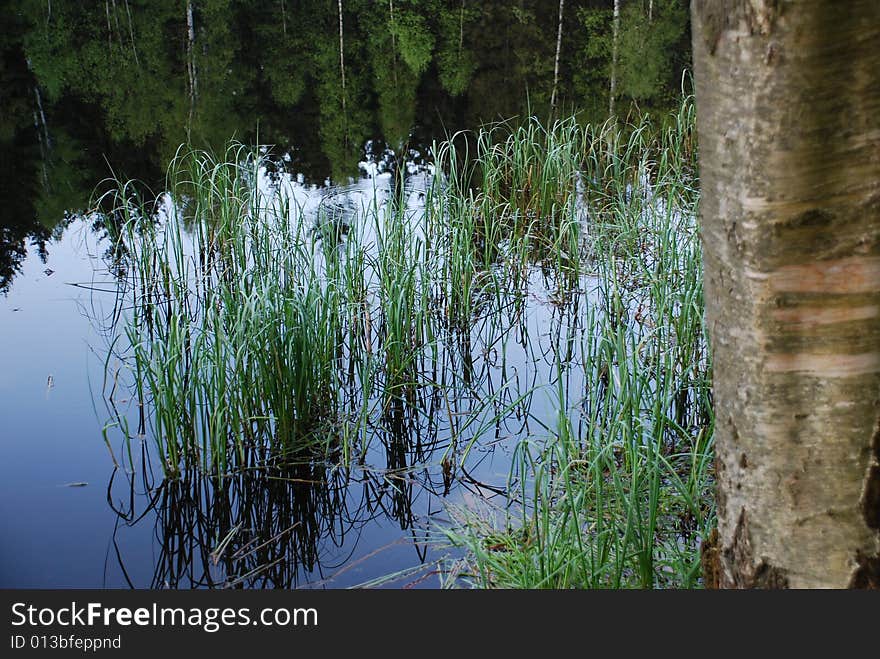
{"type": "Point", "coordinates": [617, 494]}
{"type": "Point", "coordinates": [547, 298]}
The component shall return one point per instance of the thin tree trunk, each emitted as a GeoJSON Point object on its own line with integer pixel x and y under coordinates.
{"type": "Point", "coordinates": [43, 153]}
{"type": "Point", "coordinates": [109, 27]}
{"type": "Point", "coordinates": [341, 55]}
{"type": "Point", "coordinates": [393, 40]}
{"type": "Point", "coordinates": [461, 30]}
{"type": "Point", "coordinates": [556, 63]}
{"type": "Point", "coordinates": [131, 34]}
{"type": "Point", "coordinates": [283, 18]}
{"type": "Point", "coordinates": [191, 62]}
{"type": "Point", "coordinates": [615, 33]}
{"type": "Point", "coordinates": [788, 99]}
{"type": "Point", "coordinates": [391, 23]}
{"type": "Point", "coordinates": [42, 123]}
{"type": "Point", "coordinates": [347, 141]}
{"type": "Point", "coordinates": [42, 129]}
{"type": "Point", "coordinates": [118, 28]}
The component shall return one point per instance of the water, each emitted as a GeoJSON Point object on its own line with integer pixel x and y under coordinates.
{"type": "Point", "coordinates": [50, 426]}
{"type": "Point", "coordinates": [74, 519]}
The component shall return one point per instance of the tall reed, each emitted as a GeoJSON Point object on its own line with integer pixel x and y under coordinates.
{"type": "Point", "coordinates": [545, 299]}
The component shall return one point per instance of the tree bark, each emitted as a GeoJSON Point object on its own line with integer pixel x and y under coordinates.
{"type": "Point", "coordinates": [553, 96]}
{"type": "Point", "coordinates": [131, 34]}
{"type": "Point", "coordinates": [393, 40]}
{"type": "Point", "coordinates": [788, 100]}
{"type": "Point", "coordinates": [341, 55]}
{"type": "Point", "coordinates": [283, 18]}
{"type": "Point", "coordinates": [191, 70]}
{"type": "Point", "coordinates": [191, 53]}
{"type": "Point", "coordinates": [615, 33]}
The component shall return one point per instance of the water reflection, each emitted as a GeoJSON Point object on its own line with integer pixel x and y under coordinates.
{"type": "Point", "coordinates": [394, 452]}
{"type": "Point", "coordinates": [299, 522]}
{"type": "Point", "coordinates": [272, 527]}
{"type": "Point", "coordinates": [352, 107]}
{"type": "Point", "coordinates": [87, 85]}
{"type": "Point", "coordinates": [296, 523]}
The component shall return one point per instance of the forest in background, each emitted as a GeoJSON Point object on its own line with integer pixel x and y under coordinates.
{"type": "Point", "coordinates": [122, 83]}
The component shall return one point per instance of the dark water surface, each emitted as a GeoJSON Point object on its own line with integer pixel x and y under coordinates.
{"type": "Point", "coordinates": [85, 94]}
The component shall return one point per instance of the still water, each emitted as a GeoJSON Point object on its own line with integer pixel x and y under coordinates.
{"type": "Point", "coordinates": [76, 520]}
{"type": "Point", "coordinates": [86, 96]}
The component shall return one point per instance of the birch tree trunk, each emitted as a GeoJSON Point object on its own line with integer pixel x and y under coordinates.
{"type": "Point", "coordinates": [553, 96]}
{"type": "Point", "coordinates": [283, 18]}
{"type": "Point", "coordinates": [615, 33]}
{"type": "Point", "coordinates": [341, 55]}
{"type": "Point", "coordinates": [788, 99]}
{"type": "Point", "coordinates": [191, 71]}
{"type": "Point", "coordinates": [393, 39]}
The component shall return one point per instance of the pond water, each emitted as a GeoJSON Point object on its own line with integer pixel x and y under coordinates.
{"type": "Point", "coordinates": [88, 94]}
{"type": "Point", "coordinates": [75, 520]}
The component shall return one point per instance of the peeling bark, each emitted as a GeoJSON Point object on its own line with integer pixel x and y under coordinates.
{"type": "Point", "coordinates": [710, 562]}
{"type": "Point", "coordinates": [870, 501]}
{"type": "Point", "coordinates": [867, 574]}
{"type": "Point", "coordinates": [788, 99]}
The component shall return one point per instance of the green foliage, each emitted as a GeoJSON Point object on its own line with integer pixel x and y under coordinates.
{"type": "Point", "coordinates": [284, 35]}
{"type": "Point", "coordinates": [49, 49]}
{"type": "Point", "coordinates": [269, 62]}
{"type": "Point", "coordinates": [413, 33]}
{"type": "Point", "coordinates": [455, 57]}
{"type": "Point", "coordinates": [256, 334]}
{"type": "Point", "coordinates": [97, 55]}
{"type": "Point", "coordinates": [344, 119]}
{"type": "Point", "coordinates": [647, 48]}
{"type": "Point", "coordinates": [618, 492]}
{"type": "Point", "coordinates": [394, 82]}
{"type": "Point", "coordinates": [16, 84]}
{"type": "Point", "coordinates": [535, 52]}
{"type": "Point", "coordinates": [592, 79]}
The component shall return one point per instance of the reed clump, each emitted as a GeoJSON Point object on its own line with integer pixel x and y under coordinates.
{"type": "Point", "coordinates": [544, 298]}
{"type": "Point", "coordinates": [616, 492]}
{"type": "Point", "coordinates": [233, 327]}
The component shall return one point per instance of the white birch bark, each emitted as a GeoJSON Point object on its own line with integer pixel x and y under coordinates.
{"type": "Point", "coordinates": [556, 62]}
{"type": "Point", "coordinates": [788, 100]}
{"type": "Point", "coordinates": [615, 33]}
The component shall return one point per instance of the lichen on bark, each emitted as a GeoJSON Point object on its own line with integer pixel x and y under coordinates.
{"type": "Point", "coordinates": [788, 100]}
